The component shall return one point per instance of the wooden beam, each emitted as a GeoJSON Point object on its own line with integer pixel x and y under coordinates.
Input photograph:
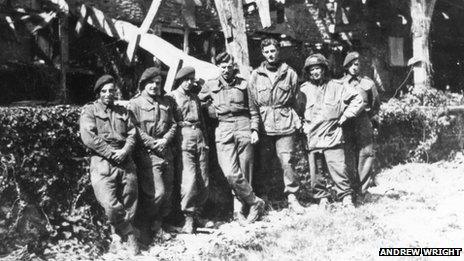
{"type": "Point", "coordinates": [161, 49]}
{"type": "Point", "coordinates": [186, 40]}
{"type": "Point", "coordinates": [147, 21]}
{"type": "Point", "coordinates": [224, 18]}
{"type": "Point", "coordinates": [188, 11]}
{"type": "Point", "coordinates": [172, 75]}
{"type": "Point", "coordinates": [233, 24]}
{"type": "Point", "coordinates": [64, 56]}
{"type": "Point", "coordinates": [264, 12]}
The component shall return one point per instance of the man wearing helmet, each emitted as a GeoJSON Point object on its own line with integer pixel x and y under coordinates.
{"type": "Point", "coordinates": [360, 134]}
{"type": "Point", "coordinates": [327, 104]}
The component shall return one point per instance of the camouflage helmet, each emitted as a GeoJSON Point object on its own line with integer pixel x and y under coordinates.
{"type": "Point", "coordinates": [316, 59]}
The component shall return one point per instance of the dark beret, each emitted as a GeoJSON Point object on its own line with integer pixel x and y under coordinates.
{"type": "Point", "coordinates": [222, 58]}
{"type": "Point", "coordinates": [102, 81]}
{"type": "Point", "coordinates": [149, 74]}
{"type": "Point", "coordinates": [350, 57]}
{"type": "Point", "coordinates": [184, 72]}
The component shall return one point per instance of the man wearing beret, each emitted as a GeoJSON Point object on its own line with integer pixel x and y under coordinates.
{"type": "Point", "coordinates": [192, 141]}
{"type": "Point", "coordinates": [154, 118]}
{"type": "Point", "coordinates": [229, 99]}
{"type": "Point", "coordinates": [327, 104]}
{"type": "Point", "coordinates": [107, 130]}
{"type": "Point", "coordinates": [273, 89]}
{"type": "Point", "coordinates": [360, 132]}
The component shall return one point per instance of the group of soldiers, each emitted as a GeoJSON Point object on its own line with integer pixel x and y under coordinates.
{"type": "Point", "coordinates": [137, 149]}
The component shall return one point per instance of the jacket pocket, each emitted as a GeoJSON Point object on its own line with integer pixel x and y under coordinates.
{"type": "Point", "coordinates": [120, 123]}
{"type": "Point", "coordinates": [263, 94]}
{"type": "Point", "coordinates": [103, 123]}
{"type": "Point", "coordinates": [237, 95]}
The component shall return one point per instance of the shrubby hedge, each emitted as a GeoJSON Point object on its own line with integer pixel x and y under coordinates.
{"type": "Point", "coordinates": [417, 127]}
{"type": "Point", "coordinates": [45, 193]}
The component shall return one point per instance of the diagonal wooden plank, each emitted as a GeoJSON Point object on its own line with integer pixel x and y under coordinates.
{"type": "Point", "coordinates": [161, 49]}
{"type": "Point", "coordinates": [151, 14]}
{"type": "Point", "coordinates": [264, 12]}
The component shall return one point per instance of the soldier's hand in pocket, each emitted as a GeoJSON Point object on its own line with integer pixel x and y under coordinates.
{"type": "Point", "coordinates": [254, 137]}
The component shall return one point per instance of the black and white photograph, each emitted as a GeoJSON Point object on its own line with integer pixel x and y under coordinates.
{"type": "Point", "coordinates": [231, 130]}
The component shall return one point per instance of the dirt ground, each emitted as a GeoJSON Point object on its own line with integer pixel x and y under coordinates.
{"type": "Point", "coordinates": [413, 205]}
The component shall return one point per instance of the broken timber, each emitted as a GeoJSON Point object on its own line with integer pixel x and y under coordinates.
{"type": "Point", "coordinates": [143, 29]}
{"type": "Point", "coordinates": [230, 14]}
{"type": "Point", "coordinates": [161, 49]}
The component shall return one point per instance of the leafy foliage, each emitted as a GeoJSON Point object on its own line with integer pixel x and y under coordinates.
{"type": "Point", "coordinates": [44, 168]}
{"type": "Point", "coordinates": [417, 127]}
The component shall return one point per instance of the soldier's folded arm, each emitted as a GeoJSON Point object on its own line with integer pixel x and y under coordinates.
{"type": "Point", "coordinates": [131, 138]}
{"type": "Point", "coordinates": [254, 110]}
{"type": "Point", "coordinates": [171, 133]}
{"type": "Point", "coordinates": [147, 140]}
{"type": "Point", "coordinates": [89, 136]}
{"type": "Point", "coordinates": [205, 95]}
{"type": "Point", "coordinates": [354, 102]}
{"type": "Point", "coordinates": [375, 100]}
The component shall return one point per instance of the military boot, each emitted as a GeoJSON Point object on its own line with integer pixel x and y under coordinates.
{"type": "Point", "coordinates": [116, 243]}
{"type": "Point", "coordinates": [348, 202]}
{"type": "Point", "coordinates": [256, 211]}
{"type": "Point", "coordinates": [294, 204]}
{"type": "Point", "coordinates": [189, 226]}
{"type": "Point", "coordinates": [132, 244]}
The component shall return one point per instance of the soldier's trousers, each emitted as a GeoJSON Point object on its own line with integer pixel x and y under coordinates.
{"type": "Point", "coordinates": [115, 187]}
{"type": "Point", "coordinates": [360, 152]}
{"type": "Point", "coordinates": [156, 178]}
{"type": "Point", "coordinates": [284, 147]}
{"type": "Point", "coordinates": [194, 169]}
{"type": "Point", "coordinates": [235, 156]}
{"type": "Point", "coordinates": [336, 166]}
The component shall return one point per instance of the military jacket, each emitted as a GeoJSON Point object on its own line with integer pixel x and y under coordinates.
{"type": "Point", "coordinates": [230, 99]}
{"type": "Point", "coordinates": [154, 118]}
{"type": "Point", "coordinates": [104, 128]}
{"type": "Point", "coordinates": [368, 91]}
{"type": "Point", "coordinates": [275, 101]}
{"type": "Point", "coordinates": [324, 105]}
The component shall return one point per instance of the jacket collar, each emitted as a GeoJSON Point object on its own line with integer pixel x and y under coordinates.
{"type": "Point", "coordinates": [281, 71]}
{"type": "Point", "coordinates": [349, 78]}
{"type": "Point", "coordinates": [148, 98]}
{"type": "Point", "coordinates": [102, 107]}
{"type": "Point", "coordinates": [223, 83]}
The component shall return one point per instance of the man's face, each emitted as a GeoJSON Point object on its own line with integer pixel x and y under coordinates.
{"type": "Point", "coordinates": [153, 87]}
{"type": "Point", "coordinates": [187, 82]}
{"type": "Point", "coordinates": [227, 69]}
{"type": "Point", "coordinates": [108, 93]}
{"type": "Point", "coordinates": [353, 69]}
{"type": "Point", "coordinates": [316, 72]}
{"type": "Point", "coordinates": [271, 53]}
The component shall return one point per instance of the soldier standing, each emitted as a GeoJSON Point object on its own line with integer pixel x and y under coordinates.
{"type": "Point", "coordinates": [192, 141]}
{"type": "Point", "coordinates": [328, 105]}
{"type": "Point", "coordinates": [361, 136]}
{"type": "Point", "coordinates": [108, 131]}
{"type": "Point", "coordinates": [229, 97]}
{"type": "Point", "coordinates": [273, 89]}
{"type": "Point", "coordinates": [154, 118]}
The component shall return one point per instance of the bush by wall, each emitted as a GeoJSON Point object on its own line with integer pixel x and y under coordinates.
{"type": "Point", "coordinates": [417, 127]}
{"type": "Point", "coordinates": [44, 192]}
